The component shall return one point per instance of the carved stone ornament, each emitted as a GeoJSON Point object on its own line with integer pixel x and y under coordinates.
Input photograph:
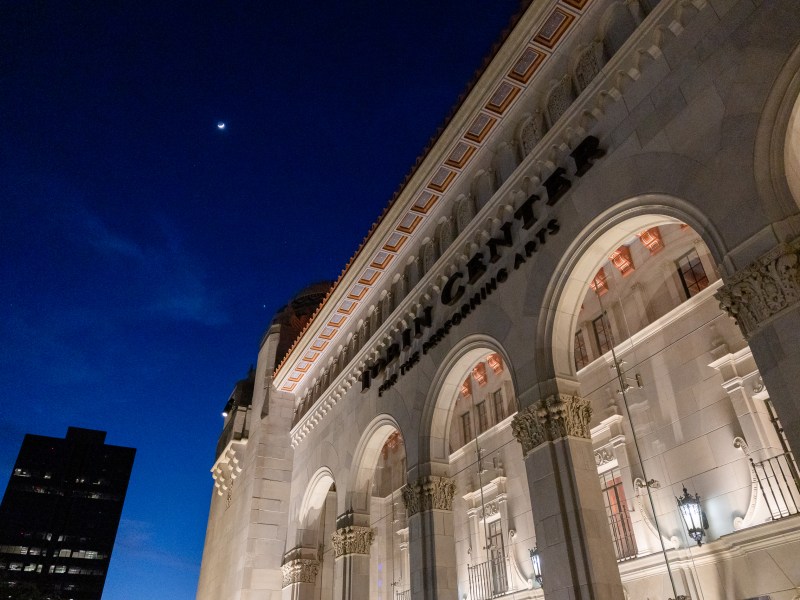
{"type": "Point", "coordinates": [429, 493]}
{"type": "Point", "coordinates": [351, 540]}
{"type": "Point", "coordinates": [527, 429]}
{"type": "Point", "coordinates": [764, 288]}
{"type": "Point", "coordinates": [603, 455]}
{"type": "Point", "coordinates": [300, 570]}
{"type": "Point", "coordinates": [552, 418]}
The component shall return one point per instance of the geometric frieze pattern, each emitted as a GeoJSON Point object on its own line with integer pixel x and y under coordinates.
{"type": "Point", "coordinates": [552, 418]}
{"type": "Point", "coordinates": [300, 365]}
{"type": "Point", "coordinates": [299, 570]}
{"type": "Point", "coordinates": [351, 540]}
{"type": "Point", "coordinates": [764, 288]}
{"type": "Point", "coordinates": [549, 32]}
{"type": "Point", "coordinates": [429, 493]}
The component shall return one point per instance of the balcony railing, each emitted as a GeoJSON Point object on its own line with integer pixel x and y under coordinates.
{"type": "Point", "coordinates": [622, 535]}
{"type": "Point", "coordinates": [489, 579]}
{"type": "Point", "coordinates": [402, 594]}
{"type": "Point", "coordinates": [780, 484]}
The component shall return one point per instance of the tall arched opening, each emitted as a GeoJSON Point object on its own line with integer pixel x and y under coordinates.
{"type": "Point", "coordinates": [676, 396]}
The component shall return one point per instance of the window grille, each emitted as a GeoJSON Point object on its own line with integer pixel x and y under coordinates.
{"type": "Point", "coordinates": [499, 408]}
{"type": "Point", "coordinates": [483, 416]}
{"type": "Point", "coordinates": [619, 519]}
{"type": "Point", "coordinates": [466, 427]}
{"type": "Point", "coordinates": [581, 356]}
{"type": "Point", "coordinates": [602, 333]}
{"type": "Point", "coordinates": [692, 273]}
{"type": "Point", "coordinates": [489, 579]}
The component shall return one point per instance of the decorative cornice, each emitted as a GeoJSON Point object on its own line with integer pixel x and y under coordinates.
{"type": "Point", "coordinates": [763, 289]}
{"type": "Point", "coordinates": [429, 493]}
{"type": "Point", "coordinates": [352, 540]}
{"type": "Point", "coordinates": [552, 418]}
{"type": "Point", "coordinates": [299, 570]}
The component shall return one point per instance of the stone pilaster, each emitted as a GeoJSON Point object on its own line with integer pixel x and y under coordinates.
{"type": "Point", "coordinates": [764, 299]}
{"type": "Point", "coordinates": [572, 531]}
{"type": "Point", "coordinates": [429, 505]}
{"type": "Point", "coordinates": [429, 493]}
{"type": "Point", "coordinates": [351, 540]}
{"type": "Point", "coordinates": [552, 418]}
{"type": "Point", "coordinates": [351, 545]}
{"type": "Point", "coordinates": [764, 289]}
{"type": "Point", "coordinates": [300, 570]}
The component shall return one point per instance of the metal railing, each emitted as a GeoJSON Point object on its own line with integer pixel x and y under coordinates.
{"type": "Point", "coordinates": [622, 534]}
{"type": "Point", "coordinates": [489, 579]}
{"type": "Point", "coordinates": [402, 594]}
{"type": "Point", "coordinates": [778, 480]}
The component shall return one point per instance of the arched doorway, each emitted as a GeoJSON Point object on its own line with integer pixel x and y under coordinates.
{"type": "Point", "coordinates": [315, 550]}
{"type": "Point", "coordinates": [471, 432]}
{"type": "Point", "coordinates": [376, 497]}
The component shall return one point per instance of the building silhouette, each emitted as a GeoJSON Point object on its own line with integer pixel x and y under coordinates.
{"type": "Point", "coordinates": [60, 513]}
{"type": "Point", "coordinates": [564, 361]}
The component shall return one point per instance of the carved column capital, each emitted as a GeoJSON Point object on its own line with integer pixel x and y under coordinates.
{"type": "Point", "coordinates": [552, 418]}
{"type": "Point", "coordinates": [299, 570]}
{"type": "Point", "coordinates": [429, 493]}
{"type": "Point", "coordinates": [351, 540]}
{"type": "Point", "coordinates": [527, 429]}
{"type": "Point", "coordinates": [764, 288]}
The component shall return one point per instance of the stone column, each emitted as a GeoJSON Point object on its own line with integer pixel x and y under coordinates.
{"type": "Point", "coordinates": [351, 545]}
{"type": "Point", "coordinates": [299, 577]}
{"type": "Point", "coordinates": [429, 505]}
{"type": "Point", "coordinates": [764, 299]}
{"type": "Point", "coordinates": [572, 531]}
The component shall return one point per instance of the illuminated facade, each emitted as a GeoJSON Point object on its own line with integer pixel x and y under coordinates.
{"type": "Point", "coordinates": [582, 305]}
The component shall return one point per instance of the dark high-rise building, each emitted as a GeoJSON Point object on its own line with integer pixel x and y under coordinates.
{"type": "Point", "coordinates": [60, 513]}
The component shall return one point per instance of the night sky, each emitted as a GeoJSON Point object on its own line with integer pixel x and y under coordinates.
{"type": "Point", "coordinates": [143, 250]}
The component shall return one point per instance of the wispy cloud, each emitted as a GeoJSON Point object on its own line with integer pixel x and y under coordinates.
{"type": "Point", "coordinates": [159, 276]}
{"type": "Point", "coordinates": [135, 540]}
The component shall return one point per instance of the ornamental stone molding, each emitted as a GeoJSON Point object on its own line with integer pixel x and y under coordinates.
{"type": "Point", "coordinates": [429, 493]}
{"type": "Point", "coordinates": [552, 418]}
{"type": "Point", "coordinates": [603, 455]}
{"type": "Point", "coordinates": [299, 570]}
{"type": "Point", "coordinates": [764, 288]}
{"type": "Point", "coordinates": [351, 540]}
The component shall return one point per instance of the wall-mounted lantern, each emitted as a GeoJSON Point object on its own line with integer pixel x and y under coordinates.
{"type": "Point", "coordinates": [536, 561]}
{"type": "Point", "coordinates": [693, 516]}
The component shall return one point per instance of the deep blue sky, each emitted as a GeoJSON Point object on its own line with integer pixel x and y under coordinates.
{"type": "Point", "coordinates": [143, 251]}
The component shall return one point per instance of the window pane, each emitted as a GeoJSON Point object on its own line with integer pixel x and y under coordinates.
{"type": "Point", "coordinates": [692, 274]}
{"type": "Point", "coordinates": [602, 333]}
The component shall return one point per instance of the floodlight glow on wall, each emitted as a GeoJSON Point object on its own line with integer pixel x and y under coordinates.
{"type": "Point", "coordinates": [536, 561]}
{"type": "Point", "coordinates": [693, 516]}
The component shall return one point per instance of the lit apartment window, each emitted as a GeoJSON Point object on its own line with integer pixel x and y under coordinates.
{"type": "Point", "coordinates": [483, 417]}
{"type": "Point", "coordinates": [499, 408]}
{"type": "Point", "coordinates": [693, 275]}
{"type": "Point", "coordinates": [466, 427]}
{"type": "Point", "coordinates": [602, 333]}
{"type": "Point", "coordinates": [581, 356]}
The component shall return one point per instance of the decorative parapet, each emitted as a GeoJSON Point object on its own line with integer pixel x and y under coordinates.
{"type": "Point", "coordinates": [429, 493]}
{"type": "Point", "coordinates": [299, 570]}
{"type": "Point", "coordinates": [552, 418]}
{"type": "Point", "coordinates": [763, 289]}
{"type": "Point", "coordinates": [351, 540]}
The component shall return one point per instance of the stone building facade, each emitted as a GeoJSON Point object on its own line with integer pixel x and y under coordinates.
{"type": "Point", "coordinates": [582, 305]}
